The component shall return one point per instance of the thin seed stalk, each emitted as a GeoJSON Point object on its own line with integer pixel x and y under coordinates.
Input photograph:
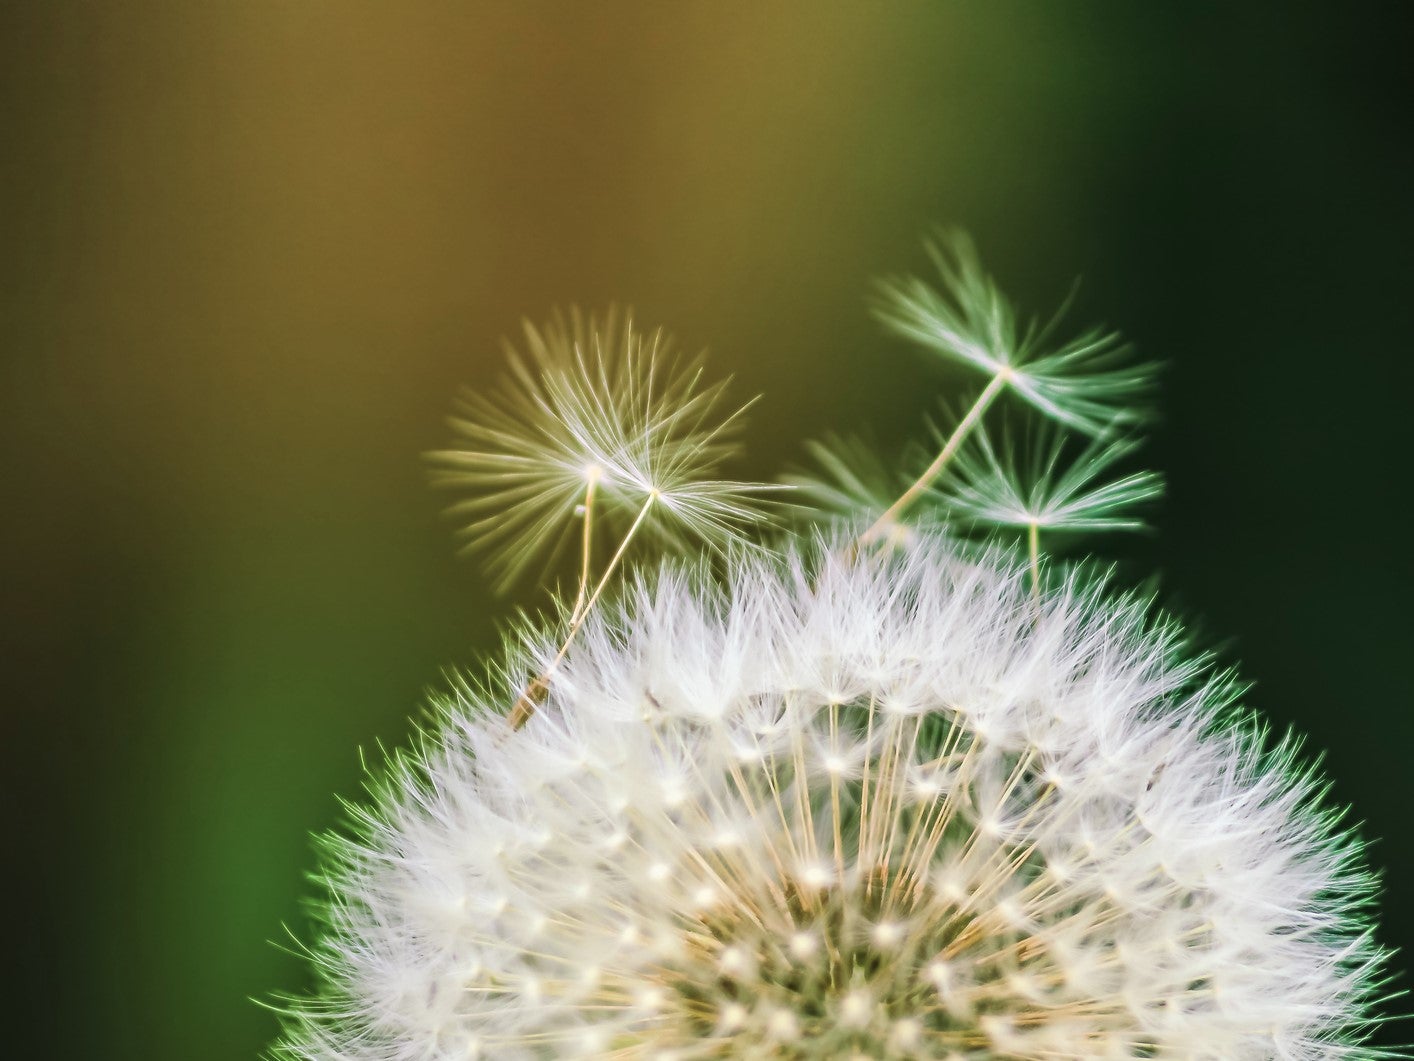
{"type": "Point", "coordinates": [964, 427]}
{"type": "Point", "coordinates": [538, 689]}
{"type": "Point", "coordinates": [586, 538]}
{"type": "Point", "coordinates": [1033, 543]}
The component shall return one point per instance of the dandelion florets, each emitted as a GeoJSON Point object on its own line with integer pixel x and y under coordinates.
{"type": "Point", "coordinates": [897, 807]}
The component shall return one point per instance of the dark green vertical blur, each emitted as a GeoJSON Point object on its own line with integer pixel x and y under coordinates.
{"type": "Point", "coordinates": [250, 249]}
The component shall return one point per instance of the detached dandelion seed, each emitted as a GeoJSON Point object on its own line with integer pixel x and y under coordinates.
{"type": "Point", "coordinates": [603, 425]}
{"type": "Point", "coordinates": [1088, 383]}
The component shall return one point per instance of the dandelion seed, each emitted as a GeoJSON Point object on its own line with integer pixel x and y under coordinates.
{"type": "Point", "coordinates": [1087, 383]}
{"type": "Point", "coordinates": [1104, 863]}
{"type": "Point", "coordinates": [997, 490]}
{"type": "Point", "coordinates": [595, 415]}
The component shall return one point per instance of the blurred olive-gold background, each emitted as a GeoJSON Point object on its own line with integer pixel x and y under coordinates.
{"type": "Point", "coordinates": [251, 249]}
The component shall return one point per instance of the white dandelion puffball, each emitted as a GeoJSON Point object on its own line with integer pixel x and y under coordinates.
{"type": "Point", "coordinates": [849, 807]}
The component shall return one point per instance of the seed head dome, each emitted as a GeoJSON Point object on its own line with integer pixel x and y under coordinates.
{"type": "Point", "coordinates": [848, 806]}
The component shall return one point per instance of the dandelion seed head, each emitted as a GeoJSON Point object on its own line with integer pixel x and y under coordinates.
{"type": "Point", "coordinates": [611, 881]}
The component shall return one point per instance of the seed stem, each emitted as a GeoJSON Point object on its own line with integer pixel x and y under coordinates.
{"type": "Point", "coordinates": [968, 422]}
{"type": "Point", "coordinates": [1033, 541]}
{"type": "Point", "coordinates": [593, 476]}
{"type": "Point", "coordinates": [536, 692]}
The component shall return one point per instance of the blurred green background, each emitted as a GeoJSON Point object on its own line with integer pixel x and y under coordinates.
{"type": "Point", "coordinates": [250, 250]}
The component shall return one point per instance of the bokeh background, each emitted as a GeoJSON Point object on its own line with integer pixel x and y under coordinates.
{"type": "Point", "coordinates": [251, 249]}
